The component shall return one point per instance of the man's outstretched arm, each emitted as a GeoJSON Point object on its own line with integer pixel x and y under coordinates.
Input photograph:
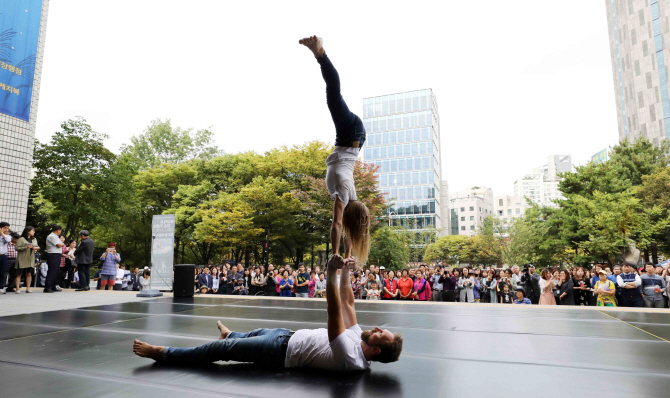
{"type": "Point", "coordinates": [335, 322]}
{"type": "Point", "coordinates": [347, 296]}
{"type": "Point", "coordinates": [336, 226]}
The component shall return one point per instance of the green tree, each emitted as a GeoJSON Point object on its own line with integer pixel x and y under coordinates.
{"type": "Point", "coordinates": [451, 249]}
{"type": "Point", "coordinates": [162, 143]}
{"type": "Point", "coordinates": [75, 173]}
{"type": "Point", "coordinates": [389, 248]}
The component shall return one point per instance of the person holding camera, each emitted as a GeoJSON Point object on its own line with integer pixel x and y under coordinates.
{"type": "Point", "coordinates": [531, 283]}
{"type": "Point", "coordinates": [5, 240]}
{"type": "Point", "coordinates": [110, 263]}
{"type": "Point", "coordinates": [54, 255]}
{"type": "Point", "coordinates": [467, 284]}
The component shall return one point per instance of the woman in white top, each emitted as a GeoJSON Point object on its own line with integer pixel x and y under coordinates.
{"type": "Point", "coordinates": [215, 280]}
{"type": "Point", "coordinates": [144, 280]}
{"type": "Point", "coordinates": [348, 213]}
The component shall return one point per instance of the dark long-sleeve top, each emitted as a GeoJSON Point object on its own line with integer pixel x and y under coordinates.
{"type": "Point", "coordinates": [568, 288]}
{"type": "Point", "coordinates": [448, 283]}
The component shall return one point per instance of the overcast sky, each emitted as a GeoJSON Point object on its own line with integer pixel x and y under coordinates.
{"type": "Point", "coordinates": [515, 81]}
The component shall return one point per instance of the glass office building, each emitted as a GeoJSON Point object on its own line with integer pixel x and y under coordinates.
{"type": "Point", "coordinates": [403, 139]}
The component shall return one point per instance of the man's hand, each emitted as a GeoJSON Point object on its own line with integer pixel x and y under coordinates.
{"type": "Point", "coordinates": [336, 261]}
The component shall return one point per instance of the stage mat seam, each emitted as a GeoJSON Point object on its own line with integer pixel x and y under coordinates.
{"type": "Point", "coordinates": [633, 326]}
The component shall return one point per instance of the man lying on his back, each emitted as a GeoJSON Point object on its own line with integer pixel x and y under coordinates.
{"type": "Point", "coordinates": [342, 346]}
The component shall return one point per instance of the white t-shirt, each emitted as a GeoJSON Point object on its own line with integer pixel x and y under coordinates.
{"type": "Point", "coordinates": [119, 275]}
{"type": "Point", "coordinates": [340, 173]}
{"type": "Point", "coordinates": [310, 347]}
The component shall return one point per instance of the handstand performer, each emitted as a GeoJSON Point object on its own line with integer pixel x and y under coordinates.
{"type": "Point", "coordinates": [342, 346]}
{"type": "Point", "coordinates": [348, 212]}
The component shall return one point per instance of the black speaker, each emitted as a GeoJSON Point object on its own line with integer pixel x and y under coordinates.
{"type": "Point", "coordinates": [184, 280]}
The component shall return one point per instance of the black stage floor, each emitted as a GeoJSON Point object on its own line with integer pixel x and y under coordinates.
{"type": "Point", "coordinates": [450, 351]}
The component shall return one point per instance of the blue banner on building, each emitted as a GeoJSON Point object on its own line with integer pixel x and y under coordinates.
{"type": "Point", "coordinates": [19, 34]}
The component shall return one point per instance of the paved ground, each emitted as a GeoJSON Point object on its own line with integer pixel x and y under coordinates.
{"type": "Point", "coordinates": [16, 304]}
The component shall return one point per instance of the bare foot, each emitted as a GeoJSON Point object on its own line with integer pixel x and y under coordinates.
{"type": "Point", "coordinates": [224, 330]}
{"type": "Point", "coordinates": [315, 44]}
{"type": "Point", "coordinates": [147, 350]}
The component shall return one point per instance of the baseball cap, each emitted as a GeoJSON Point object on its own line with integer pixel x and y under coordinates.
{"type": "Point", "coordinates": [602, 272]}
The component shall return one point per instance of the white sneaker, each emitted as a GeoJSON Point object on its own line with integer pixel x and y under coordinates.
{"type": "Point", "coordinates": [17, 291]}
{"type": "Point", "coordinates": [58, 288]}
{"type": "Point", "coordinates": [3, 290]}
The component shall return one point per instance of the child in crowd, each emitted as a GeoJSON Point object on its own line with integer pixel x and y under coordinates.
{"type": "Point", "coordinates": [506, 295]}
{"type": "Point", "coordinates": [373, 293]}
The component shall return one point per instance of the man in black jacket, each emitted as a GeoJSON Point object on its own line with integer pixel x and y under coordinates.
{"type": "Point", "coordinates": [84, 257]}
{"type": "Point", "coordinates": [531, 282]}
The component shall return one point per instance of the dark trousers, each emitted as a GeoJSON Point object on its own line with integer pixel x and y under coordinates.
{"type": "Point", "coordinates": [62, 277]}
{"type": "Point", "coordinates": [535, 299]}
{"type": "Point", "coordinates": [348, 126]}
{"type": "Point", "coordinates": [53, 261]}
{"type": "Point", "coordinates": [449, 296]}
{"type": "Point", "coordinates": [3, 270]}
{"type": "Point", "coordinates": [84, 275]}
{"type": "Point", "coordinates": [634, 300]}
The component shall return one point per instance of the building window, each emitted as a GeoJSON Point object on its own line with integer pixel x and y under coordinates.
{"type": "Point", "coordinates": [472, 208]}
{"type": "Point", "coordinates": [518, 211]}
{"type": "Point", "coordinates": [462, 218]}
{"type": "Point", "coordinates": [472, 218]}
{"type": "Point", "coordinates": [500, 212]}
{"type": "Point", "coordinates": [472, 227]}
{"type": "Point", "coordinates": [462, 209]}
{"type": "Point", "coordinates": [463, 228]}
{"type": "Point", "coordinates": [500, 202]}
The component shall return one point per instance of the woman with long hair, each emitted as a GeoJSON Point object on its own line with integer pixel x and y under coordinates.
{"type": "Point", "coordinates": [491, 283]}
{"type": "Point", "coordinates": [26, 247]}
{"type": "Point", "coordinates": [546, 288]}
{"type": "Point", "coordinates": [349, 214]}
{"type": "Point", "coordinates": [566, 288]}
{"type": "Point", "coordinates": [581, 287]}
{"type": "Point", "coordinates": [467, 284]}
{"type": "Point", "coordinates": [215, 280]}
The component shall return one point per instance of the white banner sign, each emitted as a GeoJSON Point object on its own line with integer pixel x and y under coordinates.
{"type": "Point", "coordinates": [162, 251]}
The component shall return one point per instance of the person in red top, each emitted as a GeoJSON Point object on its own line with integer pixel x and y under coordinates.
{"type": "Point", "coordinates": [390, 286]}
{"type": "Point", "coordinates": [405, 284]}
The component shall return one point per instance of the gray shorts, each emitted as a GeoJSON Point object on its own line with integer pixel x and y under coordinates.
{"type": "Point", "coordinates": [107, 277]}
{"type": "Point", "coordinates": [306, 295]}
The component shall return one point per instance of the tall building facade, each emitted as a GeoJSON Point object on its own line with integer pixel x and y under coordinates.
{"type": "Point", "coordinates": [403, 139]}
{"type": "Point", "coordinates": [469, 208]}
{"type": "Point", "coordinates": [23, 24]}
{"type": "Point", "coordinates": [541, 186]}
{"type": "Point", "coordinates": [508, 207]}
{"type": "Point", "coordinates": [639, 31]}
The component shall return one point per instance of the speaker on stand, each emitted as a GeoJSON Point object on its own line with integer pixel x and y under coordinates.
{"type": "Point", "coordinates": [184, 280]}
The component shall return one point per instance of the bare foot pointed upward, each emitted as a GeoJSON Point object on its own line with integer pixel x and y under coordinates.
{"type": "Point", "coordinates": [315, 44]}
{"type": "Point", "coordinates": [224, 330]}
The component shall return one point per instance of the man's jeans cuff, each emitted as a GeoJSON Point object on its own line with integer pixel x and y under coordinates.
{"type": "Point", "coordinates": [164, 354]}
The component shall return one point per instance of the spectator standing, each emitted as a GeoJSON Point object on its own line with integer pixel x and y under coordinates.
{"type": "Point", "coordinates": [520, 299]}
{"type": "Point", "coordinates": [54, 255]}
{"type": "Point", "coordinates": [390, 287]}
{"type": "Point", "coordinates": [215, 280]}
{"type": "Point", "coordinates": [652, 288]}
{"type": "Point", "coordinates": [515, 274]}
{"type": "Point", "coordinates": [507, 279]}
{"type": "Point", "coordinates": [531, 282]}
{"type": "Point", "coordinates": [437, 285]}
{"type": "Point", "coordinates": [257, 282]}
{"type": "Point", "coordinates": [5, 240]}
{"type": "Point", "coordinates": [285, 285]}
{"type": "Point", "coordinates": [120, 276]}
{"type": "Point", "coordinates": [145, 279]}
{"type": "Point", "coordinates": [546, 288]}
{"type": "Point", "coordinates": [582, 287]}
{"type": "Point", "coordinates": [62, 270]}
{"type": "Point", "coordinates": [506, 294]}
{"type": "Point", "coordinates": [302, 279]}
{"type": "Point", "coordinates": [270, 288]}
{"type": "Point", "coordinates": [405, 284]}
{"type": "Point", "coordinates": [320, 286]}
{"type": "Point", "coordinates": [449, 282]}
{"type": "Point", "coordinates": [420, 287]}
{"type": "Point", "coordinates": [373, 292]}
{"type": "Point", "coordinates": [491, 283]}
{"type": "Point", "coordinates": [84, 257]}
{"type": "Point", "coordinates": [70, 263]}
{"type": "Point", "coordinates": [605, 290]}
{"type": "Point", "coordinates": [467, 283]}
{"type": "Point", "coordinates": [110, 263]}
{"type": "Point", "coordinates": [312, 283]}
{"type": "Point", "coordinates": [566, 288]}
{"type": "Point", "coordinates": [135, 279]}
{"type": "Point", "coordinates": [206, 281]}
{"type": "Point", "coordinates": [356, 285]}
{"type": "Point", "coordinates": [11, 264]}
{"type": "Point", "coordinates": [26, 247]}
{"type": "Point", "coordinates": [629, 282]}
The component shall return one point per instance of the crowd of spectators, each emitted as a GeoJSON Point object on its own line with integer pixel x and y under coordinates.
{"type": "Point", "coordinates": [618, 285]}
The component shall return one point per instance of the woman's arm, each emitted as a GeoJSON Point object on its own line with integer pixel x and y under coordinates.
{"type": "Point", "coordinates": [336, 226]}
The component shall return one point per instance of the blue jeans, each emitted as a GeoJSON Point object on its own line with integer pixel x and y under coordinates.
{"type": "Point", "coordinates": [257, 346]}
{"type": "Point", "coordinates": [348, 127]}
